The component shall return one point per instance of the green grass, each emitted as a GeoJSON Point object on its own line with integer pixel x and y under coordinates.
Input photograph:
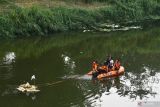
{"type": "Point", "coordinates": [40, 21]}
{"type": "Point", "coordinates": [36, 21]}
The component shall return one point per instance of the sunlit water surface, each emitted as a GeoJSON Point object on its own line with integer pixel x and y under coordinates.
{"type": "Point", "coordinates": [61, 62]}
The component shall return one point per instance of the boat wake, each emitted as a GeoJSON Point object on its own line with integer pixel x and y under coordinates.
{"type": "Point", "coordinates": [77, 77]}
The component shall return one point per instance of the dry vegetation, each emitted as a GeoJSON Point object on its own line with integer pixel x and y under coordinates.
{"type": "Point", "coordinates": [10, 4]}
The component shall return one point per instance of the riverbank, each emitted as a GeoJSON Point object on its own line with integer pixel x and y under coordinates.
{"type": "Point", "coordinates": [42, 21]}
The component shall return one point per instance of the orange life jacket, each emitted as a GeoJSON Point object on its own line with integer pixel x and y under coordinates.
{"type": "Point", "coordinates": [94, 66]}
{"type": "Point", "coordinates": [105, 68]}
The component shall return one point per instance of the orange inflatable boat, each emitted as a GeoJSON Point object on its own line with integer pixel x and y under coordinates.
{"type": "Point", "coordinates": [110, 74]}
{"type": "Point", "coordinates": [114, 73]}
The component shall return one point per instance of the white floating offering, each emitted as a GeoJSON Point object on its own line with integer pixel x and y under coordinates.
{"type": "Point", "coordinates": [33, 77]}
{"type": "Point", "coordinates": [27, 88]}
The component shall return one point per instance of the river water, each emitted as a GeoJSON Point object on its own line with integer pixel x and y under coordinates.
{"type": "Point", "coordinates": [60, 63]}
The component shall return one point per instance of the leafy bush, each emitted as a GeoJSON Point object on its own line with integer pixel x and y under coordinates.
{"type": "Point", "coordinates": [38, 21]}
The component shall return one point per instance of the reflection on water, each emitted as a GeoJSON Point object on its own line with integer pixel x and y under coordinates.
{"type": "Point", "coordinates": [69, 63]}
{"type": "Point", "coordinates": [9, 58]}
{"type": "Point", "coordinates": [125, 91]}
{"type": "Point", "coordinates": [69, 56]}
{"type": "Point", "coordinates": [6, 65]}
{"type": "Point", "coordinates": [9, 90]}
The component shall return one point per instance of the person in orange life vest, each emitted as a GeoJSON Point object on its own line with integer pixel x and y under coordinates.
{"type": "Point", "coordinates": [95, 66]}
{"type": "Point", "coordinates": [95, 69]}
{"type": "Point", "coordinates": [103, 69]}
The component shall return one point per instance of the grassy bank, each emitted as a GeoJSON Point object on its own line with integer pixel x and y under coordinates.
{"type": "Point", "coordinates": [37, 21]}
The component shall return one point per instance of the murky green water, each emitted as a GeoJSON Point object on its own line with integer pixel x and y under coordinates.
{"type": "Point", "coordinates": [67, 58]}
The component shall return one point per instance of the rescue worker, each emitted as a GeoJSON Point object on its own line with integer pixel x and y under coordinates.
{"type": "Point", "coordinates": [97, 69]}
{"type": "Point", "coordinates": [103, 69]}
{"type": "Point", "coordinates": [109, 63]}
{"type": "Point", "coordinates": [95, 66]}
